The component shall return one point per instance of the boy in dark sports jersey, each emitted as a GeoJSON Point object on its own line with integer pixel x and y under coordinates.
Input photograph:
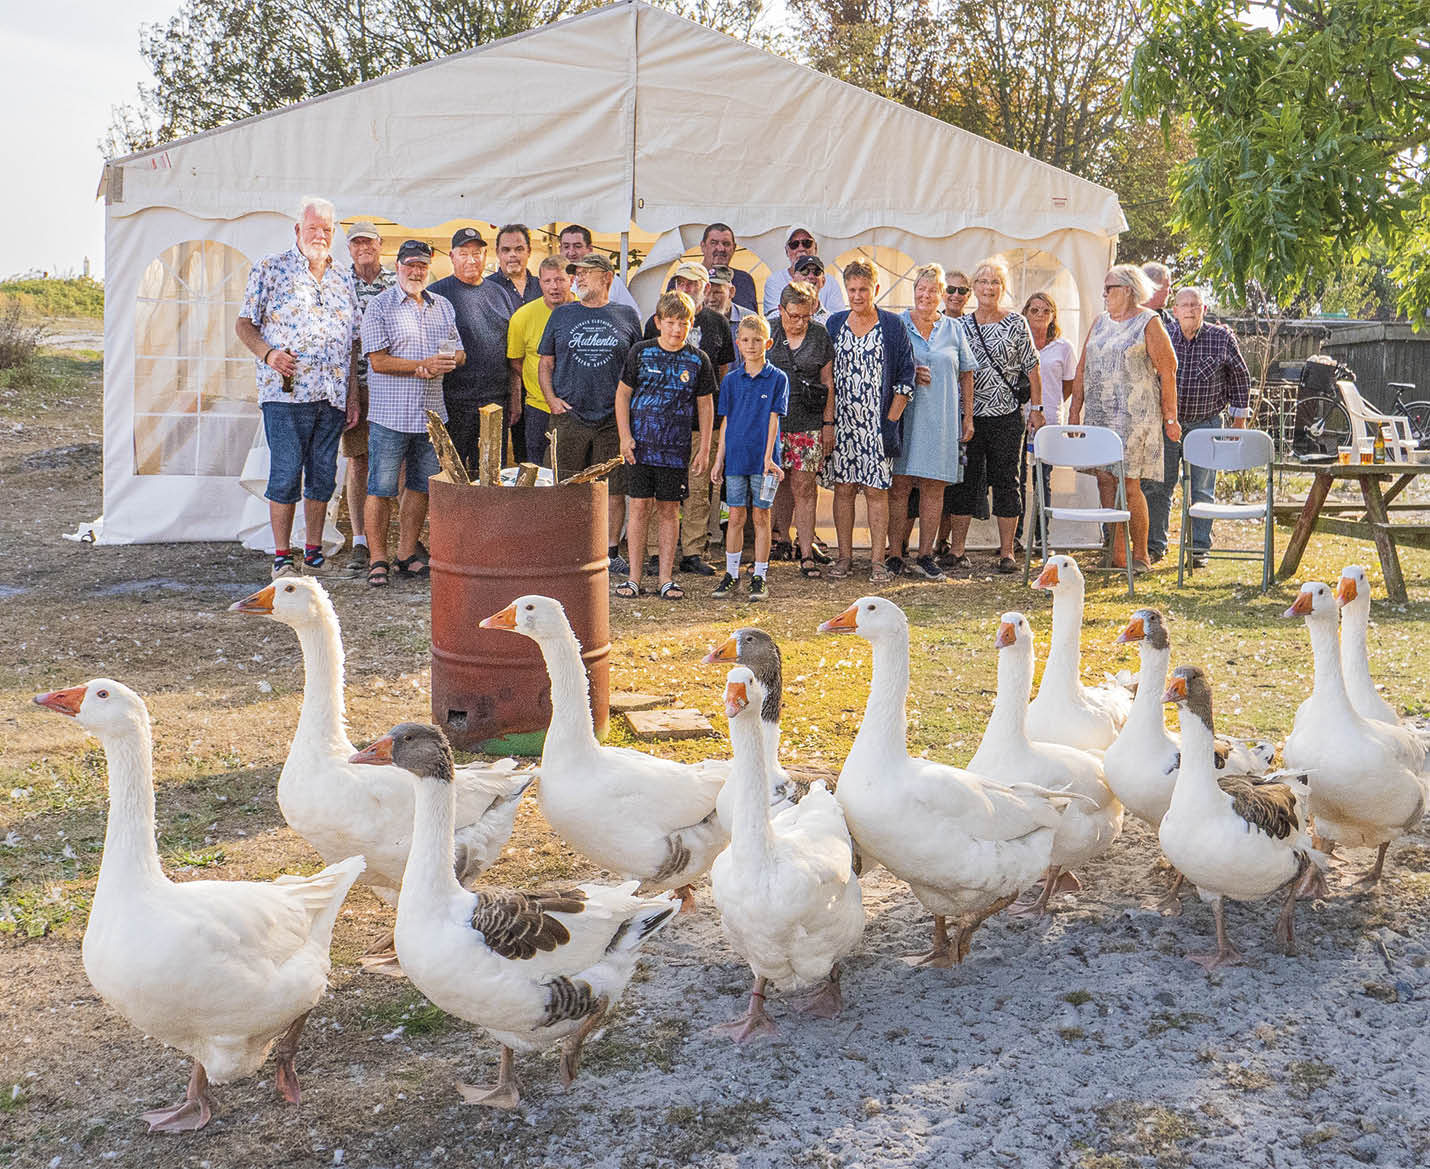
{"type": "Point", "coordinates": [665, 383]}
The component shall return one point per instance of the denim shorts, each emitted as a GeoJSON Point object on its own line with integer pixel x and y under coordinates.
{"type": "Point", "coordinates": [744, 491]}
{"type": "Point", "coordinates": [302, 449]}
{"type": "Point", "coordinates": [386, 451]}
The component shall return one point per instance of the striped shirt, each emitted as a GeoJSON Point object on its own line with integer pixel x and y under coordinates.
{"type": "Point", "coordinates": [413, 330]}
{"type": "Point", "coordinates": [366, 293]}
{"type": "Point", "coordinates": [1211, 374]}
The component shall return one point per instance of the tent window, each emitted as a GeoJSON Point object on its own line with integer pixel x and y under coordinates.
{"type": "Point", "coordinates": [195, 401]}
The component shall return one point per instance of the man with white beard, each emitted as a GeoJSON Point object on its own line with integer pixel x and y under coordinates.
{"type": "Point", "coordinates": [300, 320]}
{"type": "Point", "coordinates": [582, 352]}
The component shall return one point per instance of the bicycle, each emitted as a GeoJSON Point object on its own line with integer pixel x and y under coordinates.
{"type": "Point", "coordinates": [1418, 412]}
{"type": "Point", "coordinates": [1321, 423]}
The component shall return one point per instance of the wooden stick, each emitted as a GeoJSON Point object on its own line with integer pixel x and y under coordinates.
{"type": "Point", "coordinates": [489, 446]}
{"type": "Point", "coordinates": [591, 474]}
{"type": "Point", "coordinates": [555, 464]}
{"type": "Point", "coordinates": [447, 456]}
{"type": "Point", "coordinates": [526, 475]}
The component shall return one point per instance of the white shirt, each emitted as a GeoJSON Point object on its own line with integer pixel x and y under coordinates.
{"type": "Point", "coordinates": [1057, 363]}
{"type": "Point", "coordinates": [831, 296]}
{"type": "Point", "coordinates": [620, 294]}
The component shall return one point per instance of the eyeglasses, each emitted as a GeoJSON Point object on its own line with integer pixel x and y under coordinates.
{"type": "Point", "coordinates": [957, 290]}
{"type": "Point", "coordinates": [801, 243]}
{"type": "Point", "coordinates": [1106, 288]}
{"type": "Point", "coordinates": [1039, 310]}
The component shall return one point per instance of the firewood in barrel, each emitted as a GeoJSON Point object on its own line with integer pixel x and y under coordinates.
{"type": "Point", "coordinates": [447, 456]}
{"type": "Point", "coordinates": [489, 446]}
{"type": "Point", "coordinates": [591, 474]}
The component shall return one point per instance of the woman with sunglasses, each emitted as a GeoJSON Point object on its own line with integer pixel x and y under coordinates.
{"type": "Point", "coordinates": [1127, 381]}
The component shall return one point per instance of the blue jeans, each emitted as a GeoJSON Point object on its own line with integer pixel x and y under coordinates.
{"type": "Point", "coordinates": [744, 491]}
{"type": "Point", "coordinates": [302, 449]}
{"type": "Point", "coordinates": [1158, 493]}
{"type": "Point", "coordinates": [387, 450]}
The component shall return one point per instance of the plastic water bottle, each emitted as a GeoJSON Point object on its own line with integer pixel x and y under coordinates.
{"type": "Point", "coordinates": [769, 485]}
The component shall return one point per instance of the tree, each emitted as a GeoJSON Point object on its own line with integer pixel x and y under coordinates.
{"type": "Point", "coordinates": [1310, 137]}
{"type": "Point", "coordinates": [1138, 161]}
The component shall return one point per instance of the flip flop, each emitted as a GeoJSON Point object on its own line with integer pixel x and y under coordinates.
{"type": "Point", "coordinates": [670, 591]}
{"type": "Point", "coordinates": [629, 588]}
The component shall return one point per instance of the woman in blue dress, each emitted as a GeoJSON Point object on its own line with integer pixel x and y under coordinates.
{"type": "Point", "coordinates": [939, 417]}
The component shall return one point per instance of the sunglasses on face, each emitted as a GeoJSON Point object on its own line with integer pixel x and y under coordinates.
{"type": "Point", "coordinates": [801, 243]}
{"type": "Point", "coordinates": [957, 290]}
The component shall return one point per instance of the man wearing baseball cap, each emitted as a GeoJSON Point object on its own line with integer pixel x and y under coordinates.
{"type": "Point", "coordinates": [801, 246]}
{"type": "Point", "coordinates": [409, 336]}
{"type": "Point", "coordinates": [720, 296]}
{"type": "Point", "coordinates": [369, 278]}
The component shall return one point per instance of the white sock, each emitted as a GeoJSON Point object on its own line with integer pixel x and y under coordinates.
{"type": "Point", "coordinates": [732, 563]}
{"type": "Point", "coordinates": [762, 568]}
{"type": "Point", "coordinates": [359, 541]}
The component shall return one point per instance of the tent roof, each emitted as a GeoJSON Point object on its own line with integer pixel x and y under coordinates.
{"type": "Point", "coordinates": [539, 125]}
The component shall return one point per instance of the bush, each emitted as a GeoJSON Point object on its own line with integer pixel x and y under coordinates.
{"type": "Point", "coordinates": [20, 339]}
{"type": "Point", "coordinates": [74, 296]}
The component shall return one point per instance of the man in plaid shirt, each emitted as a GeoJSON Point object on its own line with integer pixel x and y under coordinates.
{"type": "Point", "coordinates": [1212, 381]}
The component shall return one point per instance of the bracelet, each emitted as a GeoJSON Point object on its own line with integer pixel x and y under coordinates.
{"type": "Point", "coordinates": [267, 355]}
{"type": "Point", "coordinates": [829, 422]}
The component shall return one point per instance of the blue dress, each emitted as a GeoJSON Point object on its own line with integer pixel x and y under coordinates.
{"type": "Point", "coordinates": [932, 420]}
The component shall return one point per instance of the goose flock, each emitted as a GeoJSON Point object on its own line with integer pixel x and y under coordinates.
{"type": "Point", "coordinates": [229, 970]}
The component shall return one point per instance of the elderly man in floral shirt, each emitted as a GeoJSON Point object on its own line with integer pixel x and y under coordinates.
{"type": "Point", "coordinates": [300, 319]}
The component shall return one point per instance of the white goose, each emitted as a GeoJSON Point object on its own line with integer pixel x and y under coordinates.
{"type": "Point", "coordinates": [788, 901]}
{"type": "Point", "coordinates": [1088, 827]}
{"type": "Point", "coordinates": [631, 813]}
{"type": "Point", "coordinates": [1065, 711]}
{"type": "Point", "coordinates": [1368, 779]}
{"type": "Point", "coordinates": [1353, 593]}
{"type": "Point", "coordinates": [967, 846]}
{"type": "Point", "coordinates": [1233, 836]}
{"type": "Point", "coordinates": [533, 969]}
{"type": "Point", "coordinates": [1141, 765]}
{"type": "Point", "coordinates": [341, 809]}
{"type": "Point", "coordinates": [756, 649]}
{"type": "Point", "coordinates": [221, 970]}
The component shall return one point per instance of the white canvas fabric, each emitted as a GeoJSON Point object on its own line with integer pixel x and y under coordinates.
{"type": "Point", "coordinates": [591, 120]}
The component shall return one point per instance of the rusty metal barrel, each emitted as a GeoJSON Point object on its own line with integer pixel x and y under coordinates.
{"type": "Point", "coordinates": [490, 545]}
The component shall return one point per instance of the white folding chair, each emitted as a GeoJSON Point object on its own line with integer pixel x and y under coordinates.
{"type": "Point", "coordinates": [1226, 450]}
{"type": "Point", "coordinates": [1077, 446]}
{"type": "Point", "coordinates": [1367, 422]}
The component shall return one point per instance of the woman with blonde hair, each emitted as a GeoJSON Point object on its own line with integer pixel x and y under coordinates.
{"type": "Point", "coordinates": [1127, 381]}
{"type": "Point", "coordinates": [1007, 370]}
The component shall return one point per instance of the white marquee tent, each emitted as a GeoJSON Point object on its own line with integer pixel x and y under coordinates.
{"type": "Point", "coordinates": [637, 123]}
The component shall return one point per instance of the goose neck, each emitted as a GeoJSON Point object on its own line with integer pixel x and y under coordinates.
{"type": "Point", "coordinates": [1355, 636]}
{"type": "Point", "coordinates": [323, 719]}
{"type": "Point", "coordinates": [131, 854]}
{"type": "Point", "coordinates": [885, 725]}
{"type": "Point", "coordinates": [429, 875]}
{"type": "Point", "coordinates": [1330, 681]}
{"type": "Point", "coordinates": [1198, 743]}
{"type": "Point", "coordinates": [1064, 650]}
{"type": "Point", "coordinates": [1151, 685]}
{"type": "Point", "coordinates": [1009, 720]}
{"type": "Point", "coordinates": [571, 723]}
{"type": "Point", "coordinates": [751, 836]}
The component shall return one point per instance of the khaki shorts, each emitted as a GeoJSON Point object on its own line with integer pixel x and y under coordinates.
{"type": "Point", "coordinates": [354, 441]}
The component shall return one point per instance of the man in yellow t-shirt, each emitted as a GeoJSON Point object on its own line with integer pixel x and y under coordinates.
{"type": "Point", "coordinates": [522, 338]}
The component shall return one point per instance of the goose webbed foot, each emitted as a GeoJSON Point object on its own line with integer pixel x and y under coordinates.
{"type": "Point", "coordinates": [284, 1054]}
{"type": "Point", "coordinates": [753, 1023]}
{"type": "Point", "coordinates": [1372, 878]}
{"type": "Point", "coordinates": [1226, 954]}
{"type": "Point", "coordinates": [505, 1094]}
{"type": "Point", "coordinates": [686, 893]}
{"type": "Point", "coordinates": [826, 1002]}
{"type": "Point", "coordinates": [571, 1046]}
{"type": "Point", "coordinates": [191, 1114]}
{"type": "Point", "coordinates": [942, 955]}
{"type": "Point", "coordinates": [1171, 903]}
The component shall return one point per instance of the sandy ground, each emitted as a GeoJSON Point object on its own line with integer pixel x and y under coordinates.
{"type": "Point", "coordinates": [1085, 1040]}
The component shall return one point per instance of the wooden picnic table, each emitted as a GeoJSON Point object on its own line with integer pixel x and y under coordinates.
{"type": "Point", "coordinates": [1374, 522]}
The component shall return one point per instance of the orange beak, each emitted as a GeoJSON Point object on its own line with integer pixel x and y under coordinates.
{"type": "Point", "coordinates": [1300, 606]}
{"type": "Point", "coordinates": [728, 651]}
{"type": "Point", "coordinates": [1176, 690]}
{"type": "Point", "coordinates": [260, 602]}
{"type": "Point", "coordinates": [379, 752]}
{"type": "Point", "coordinates": [846, 622]}
{"type": "Point", "coordinates": [735, 698]}
{"type": "Point", "coordinates": [506, 619]}
{"type": "Point", "coordinates": [62, 701]}
{"type": "Point", "coordinates": [1346, 590]}
{"type": "Point", "coordinates": [1047, 578]}
{"type": "Point", "coordinates": [1135, 631]}
{"type": "Point", "coordinates": [1007, 635]}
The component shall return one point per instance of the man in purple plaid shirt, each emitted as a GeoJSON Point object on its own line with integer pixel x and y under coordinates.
{"type": "Point", "coordinates": [1212, 381]}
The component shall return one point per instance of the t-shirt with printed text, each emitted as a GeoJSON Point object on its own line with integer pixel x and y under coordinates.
{"type": "Point", "coordinates": [664, 388]}
{"type": "Point", "coordinates": [590, 347]}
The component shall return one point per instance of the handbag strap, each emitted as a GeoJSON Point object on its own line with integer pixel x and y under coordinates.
{"type": "Point", "coordinates": [1012, 387]}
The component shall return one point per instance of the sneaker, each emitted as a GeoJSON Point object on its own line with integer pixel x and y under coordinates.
{"type": "Point", "coordinates": [758, 590]}
{"type": "Point", "coordinates": [782, 550]}
{"type": "Point", "coordinates": [315, 559]}
{"type": "Point", "coordinates": [926, 567]}
{"type": "Point", "coordinates": [696, 565]}
{"type": "Point", "coordinates": [725, 587]}
{"type": "Point", "coordinates": [895, 565]}
{"type": "Point", "coordinates": [358, 560]}
{"type": "Point", "coordinates": [1200, 559]}
{"type": "Point", "coordinates": [620, 566]}
{"type": "Point", "coordinates": [283, 566]}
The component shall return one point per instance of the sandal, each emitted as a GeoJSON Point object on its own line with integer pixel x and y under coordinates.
{"type": "Point", "coordinates": [670, 591]}
{"type": "Point", "coordinates": [629, 588]}
{"type": "Point", "coordinates": [809, 568]}
{"type": "Point", "coordinates": [880, 575]}
{"type": "Point", "coordinates": [1007, 565]}
{"type": "Point", "coordinates": [840, 568]}
{"type": "Point", "coordinates": [960, 561]}
{"type": "Point", "coordinates": [405, 569]}
{"type": "Point", "coordinates": [377, 574]}
{"type": "Point", "coordinates": [819, 554]}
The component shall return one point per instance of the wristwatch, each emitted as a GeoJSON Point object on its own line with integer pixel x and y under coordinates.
{"type": "Point", "coordinates": [1038, 406]}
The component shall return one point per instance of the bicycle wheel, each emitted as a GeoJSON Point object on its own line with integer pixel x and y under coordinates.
{"type": "Point", "coordinates": [1322, 425]}
{"type": "Point", "coordinates": [1419, 415]}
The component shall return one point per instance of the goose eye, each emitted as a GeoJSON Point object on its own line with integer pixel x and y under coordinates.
{"type": "Point", "coordinates": [529, 608]}
{"type": "Point", "coordinates": [288, 588]}
{"type": "Point", "coordinates": [870, 608]}
{"type": "Point", "coordinates": [101, 693]}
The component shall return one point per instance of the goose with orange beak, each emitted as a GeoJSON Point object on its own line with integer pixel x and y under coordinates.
{"type": "Point", "coordinates": [225, 971]}
{"type": "Point", "coordinates": [1065, 711]}
{"type": "Point", "coordinates": [1353, 594]}
{"type": "Point", "coordinates": [1369, 778]}
{"type": "Point", "coordinates": [788, 902]}
{"type": "Point", "coordinates": [966, 845]}
{"type": "Point", "coordinates": [1233, 836]}
{"type": "Point", "coordinates": [631, 813]}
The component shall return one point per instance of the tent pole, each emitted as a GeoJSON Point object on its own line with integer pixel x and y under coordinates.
{"type": "Point", "coordinates": [625, 256]}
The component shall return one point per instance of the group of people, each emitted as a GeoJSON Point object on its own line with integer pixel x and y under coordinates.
{"type": "Point", "coordinates": [925, 412]}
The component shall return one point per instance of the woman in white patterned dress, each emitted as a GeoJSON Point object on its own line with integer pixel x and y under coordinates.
{"type": "Point", "coordinates": [1127, 381]}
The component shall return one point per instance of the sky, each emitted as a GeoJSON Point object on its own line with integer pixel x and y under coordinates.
{"type": "Point", "coordinates": [66, 63]}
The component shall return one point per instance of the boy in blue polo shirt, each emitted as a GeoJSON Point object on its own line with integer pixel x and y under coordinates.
{"type": "Point", "coordinates": [753, 398]}
{"type": "Point", "coordinates": [664, 384]}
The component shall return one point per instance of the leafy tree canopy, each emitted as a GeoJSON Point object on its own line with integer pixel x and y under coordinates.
{"type": "Point", "coordinates": [1309, 122]}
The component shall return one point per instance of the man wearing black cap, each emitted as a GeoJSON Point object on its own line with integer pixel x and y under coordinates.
{"type": "Point", "coordinates": [484, 307]}
{"type": "Point", "coordinates": [801, 248]}
{"type": "Point", "coordinates": [583, 351]}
